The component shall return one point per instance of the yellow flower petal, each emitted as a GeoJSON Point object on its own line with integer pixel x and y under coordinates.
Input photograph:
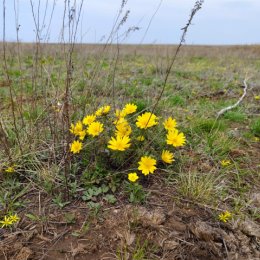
{"type": "Point", "coordinates": [123, 128]}
{"type": "Point", "coordinates": [133, 177]}
{"type": "Point", "coordinates": [175, 138]}
{"type": "Point", "coordinates": [167, 156]}
{"type": "Point", "coordinates": [103, 111]}
{"type": "Point", "coordinates": [225, 163]}
{"type": "Point", "coordinates": [76, 129]}
{"type": "Point", "coordinates": [10, 169]}
{"type": "Point", "coordinates": [130, 108]}
{"type": "Point", "coordinates": [170, 123]}
{"type": "Point", "coordinates": [140, 138]}
{"type": "Point", "coordinates": [14, 218]}
{"type": "Point", "coordinates": [76, 147]}
{"type": "Point", "coordinates": [6, 222]}
{"type": "Point", "coordinates": [95, 129]}
{"type": "Point", "coordinates": [146, 120]}
{"type": "Point", "coordinates": [119, 143]}
{"type": "Point", "coordinates": [225, 216]}
{"type": "Point", "coordinates": [147, 165]}
{"type": "Point", "coordinates": [87, 120]}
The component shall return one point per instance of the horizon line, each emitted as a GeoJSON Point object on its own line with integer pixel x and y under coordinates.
{"type": "Point", "coordinates": [135, 44]}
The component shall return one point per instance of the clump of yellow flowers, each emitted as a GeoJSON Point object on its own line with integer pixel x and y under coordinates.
{"type": "Point", "coordinates": [225, 216]}
{"type": "Point", "coordinates": [11, 168]}
{"type": "Point", "coordinates": [129, 135]}
{"type": "Point", "coordinates": [225, 163]}
{"type": "Point", "coordinates": [8, 221]}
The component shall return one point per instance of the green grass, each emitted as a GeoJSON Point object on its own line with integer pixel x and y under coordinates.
{"type": "Point", "coordinates": [200, 85]}
{"type": "Point", "coordinates": [198, 186]}
{"type": "Point", "coordinates": [209, 125]}
{"type": "Point", "coordinates": [176, 100]}
{"type": "Point", "coordinates": [235, 116]}
{"type": "Point", "coordinates": [255, 127]}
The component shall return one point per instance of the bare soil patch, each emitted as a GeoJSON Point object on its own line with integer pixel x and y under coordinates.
{"type": "Point", "coordinates": [166, 228]}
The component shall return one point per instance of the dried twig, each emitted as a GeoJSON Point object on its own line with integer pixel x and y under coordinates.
{"type": "Point", "coordinates": [195, 9]}
{"type": "Point", "coordinates": [224, 110]}
{"type": "Point", "coordinates": [11, 91]}
{"type": "Point", "coordinates": [54, 242]}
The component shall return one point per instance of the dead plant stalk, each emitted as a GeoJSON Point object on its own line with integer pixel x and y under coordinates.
{"type": "Point", "coordinates": [224, 110]}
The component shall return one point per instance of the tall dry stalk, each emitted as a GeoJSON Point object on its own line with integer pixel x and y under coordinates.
{"type": "Point", "coordinates": [73, 21]}
{"type": "Point", "coordinates": [10, 87]}
{"type": "Point", "coordinates": [21, 87]}
{"type": "Point", "coordinates": [195, 9]}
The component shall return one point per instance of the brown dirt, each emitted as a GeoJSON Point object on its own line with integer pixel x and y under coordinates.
{"type": "Point", "coordinates": [172, 230]}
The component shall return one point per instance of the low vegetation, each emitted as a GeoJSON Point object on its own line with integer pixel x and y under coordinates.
{"type": "Point", "coordinates": [103, 162]}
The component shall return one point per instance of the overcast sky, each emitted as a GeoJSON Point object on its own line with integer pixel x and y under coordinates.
{"type": "Point", "coordinates": [218, 22]}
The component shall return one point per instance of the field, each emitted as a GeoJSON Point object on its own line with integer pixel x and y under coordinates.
{"type": "Point", "coordinates": [69, 204]}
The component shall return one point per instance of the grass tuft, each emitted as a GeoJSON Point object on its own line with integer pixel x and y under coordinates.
{"type": "Point", "coordinates": [208, 125]}
{"type": "Point", "coordinates": [255, 127]}
{"type": "Point", "coordinates": [202, 187]}
{"type": "Point", "coordinates": [235, 116]}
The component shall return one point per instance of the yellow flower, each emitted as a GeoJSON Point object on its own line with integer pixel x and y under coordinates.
{"type": "Point", "coordinates": [133, 177]}
{"type": "Point", "coordinates": [170, 123]}
{"type": "Point", "coordinates": [119, 115]}
{"type": "Point", "coordinates": [129, 108]}
{"type": "Point", "coordinates": [123, 128]}
{"type": "Point", "coordinates": [257, 97]}
{"type": "Point", "coordinates": [256, 139]}
{"type": "Point", "coordinates": [121, 121]}
{"type": "Point", "coordinates": [87, 120]}
{"type": "Point", "coordinates": [14, 218]}
{"type": "Point", "coordinates": [76, 129]}
{"type": "Point", "coordinates": [6, 222]}
{"type": "Point", "coordinates": [175, 138]}
{"type": "Point", "coordinates": [119, 143]}
{"type": "Point", "coordinates": [167, 156]}
{"type": "Point", "coordinates": [225, 163]}
{"type": "Point", "coordinates": [103, 110]}
{"type": "Point", "coordinates": [99, 112]}
{"type": "Point", "coordinates": [10, 169]}
{"type": "Point", "coordinates": [147, 165]}
{"type": "Point", "coordinates": [140, 138]}
{"type": "Point", "coordinates": [82, 134]}
{"type": "Point", "coordinates": [76, 147]}
{"type": "Point", "coordinates": [146, 120]}
{"type": "Point", "coordinates": [95, 129]}
{"type": "Point", "coordinates": [106, 110]}
{"type": "Point", "coordinates": [56, 109]}
{"type": "Point", "coordinates": [225, 216]}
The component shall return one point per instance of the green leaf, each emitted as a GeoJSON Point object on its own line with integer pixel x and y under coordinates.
{"type": "Point", "coordinates": [110, 198]}
{"type": "Point", "coordinates": [32, 217]}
